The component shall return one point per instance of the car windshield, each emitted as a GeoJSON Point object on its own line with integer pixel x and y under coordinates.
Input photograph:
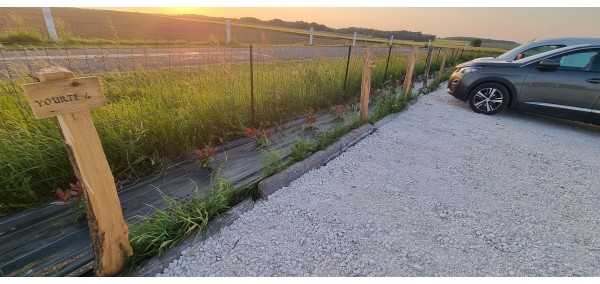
{"type": "Point", "coordinates": [544, 54]}
{"type": "Point", "coordinates": [507, 55]}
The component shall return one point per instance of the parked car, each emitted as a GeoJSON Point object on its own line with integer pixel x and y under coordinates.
{"type": "Point", "coordinates": [536, 47]}
{"type": "Point", "coordinates": [563, 83]}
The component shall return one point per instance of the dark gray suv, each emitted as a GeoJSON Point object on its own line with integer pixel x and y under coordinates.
{"type": "Point", "coordinates": [563, 83]}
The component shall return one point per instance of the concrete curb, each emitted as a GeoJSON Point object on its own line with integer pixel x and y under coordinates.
{"type": "Point", "coordinates": [159, 263]}
{"type": "Point", "coordinates": [282, 179]}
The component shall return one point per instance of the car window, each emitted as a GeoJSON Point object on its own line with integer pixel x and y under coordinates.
{"type": "Point", "coordinates": [540, 49]}
{"type": "Point", "coordinates": [581, 61]}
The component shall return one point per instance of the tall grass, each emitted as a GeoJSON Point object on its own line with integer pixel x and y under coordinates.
{"type": "Point", "coordinates": [17, 31]}
{"type": "Point", "coordinates": [155, 115]}
{"type": "Point", "coordinates": [168, 227]}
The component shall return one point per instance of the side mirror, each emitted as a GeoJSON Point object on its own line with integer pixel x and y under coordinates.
{"type": "Point", "coordinates": [548, 64]}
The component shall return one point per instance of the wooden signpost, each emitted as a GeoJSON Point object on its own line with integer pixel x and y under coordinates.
{"type": "Point", "coordinates": [368, 64]}
{"type": "Point", "coordinates": [69, 99]}
{"type": "Point", "coordinates": [412, 59]}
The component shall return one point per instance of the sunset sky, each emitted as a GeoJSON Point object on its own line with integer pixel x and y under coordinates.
{"type": "Point", "coordinates": [518, 24]}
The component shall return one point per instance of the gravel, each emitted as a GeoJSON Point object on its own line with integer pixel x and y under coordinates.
{"type": "Point", "coordinates": [438, 191]}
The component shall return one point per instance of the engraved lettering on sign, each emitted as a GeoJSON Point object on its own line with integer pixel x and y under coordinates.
{"type": "Point", "coordinates": [61, 99]}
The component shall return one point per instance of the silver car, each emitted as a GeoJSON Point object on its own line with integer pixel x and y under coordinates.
{"type": "Point", "coordinates": [536, 47]}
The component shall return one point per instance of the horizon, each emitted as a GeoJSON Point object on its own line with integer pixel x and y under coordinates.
{"type": "Point", "coordinates": [492, 23]}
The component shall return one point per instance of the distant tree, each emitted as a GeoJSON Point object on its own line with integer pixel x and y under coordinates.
{"type": "Point", "coordinates": [476, 42]}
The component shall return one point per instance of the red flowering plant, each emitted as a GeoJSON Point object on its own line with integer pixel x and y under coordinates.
{"type": "Point", "coordinates": [205, 155]}
{"type": "Point", "coordinates": [75, 189]}
{"type": "Point", "coordinates": [310, 118]}
{"type": "Point", "coordinates": [262, 138]}
{"type": "Point", "coordinates": [338, 111]}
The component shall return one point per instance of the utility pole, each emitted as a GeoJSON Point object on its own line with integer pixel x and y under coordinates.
{"type": "Point", "coordinates": [228, 25]}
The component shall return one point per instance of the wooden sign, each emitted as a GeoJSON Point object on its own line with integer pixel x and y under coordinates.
{"type": "Point", "coordinates": [53, 98]}
{"type": "Point", "coordinates": [69, 99]}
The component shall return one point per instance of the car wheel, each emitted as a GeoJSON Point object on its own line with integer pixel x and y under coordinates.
{"type": "Point", "coordinates": [488, 98]}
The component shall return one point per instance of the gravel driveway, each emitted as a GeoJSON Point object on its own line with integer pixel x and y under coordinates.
{"type": "Point", "coordinates": [439, 191]}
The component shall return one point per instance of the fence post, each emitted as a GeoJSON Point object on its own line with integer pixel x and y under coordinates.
{"type": "Point", "coordinates": [368, 64]}
{"type": "Point", "coordinates": [347, 67]}
{"type": "Point", "coordinates": [387, 63]}
{"type": "Point", "coordinates": [412, 59]}
{"type": "Point", "coordinates": [70, 99]}
{"type": "Point", "coordinates": [427, 66]}
{"type": "Point", "coordinates": [252, 111]}
{"type": "Point", "coordinates": [443, 61]}
{"type": "Point", "coordinates": [311, 36]}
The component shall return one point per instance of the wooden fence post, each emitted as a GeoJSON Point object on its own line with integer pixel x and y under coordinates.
{"type": "Point", "coordinates": [369, 63]}
{"type": "Point", "coordinates": [427, 67]}
{"type": "Point", "coordinates": [69, 99]}
{"type": "Point", "coordinates": [443, 61]}
{"type": "Point", "coordinates": [412, 59]}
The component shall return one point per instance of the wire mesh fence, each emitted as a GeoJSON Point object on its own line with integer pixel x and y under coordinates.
{"type": "Point", "coordinates": [166, 99]}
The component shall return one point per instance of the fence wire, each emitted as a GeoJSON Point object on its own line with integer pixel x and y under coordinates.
{"type": "Point", "coordinates": [166, 99]}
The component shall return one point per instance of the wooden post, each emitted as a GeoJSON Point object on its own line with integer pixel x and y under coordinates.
{"type": "Point", "coordinates": [412, 59]}
{"type": "Point", "coordinates": [443, 61]}
{"type": "Point", "coordinates": [69, 99]}
{"type": "Point", "coordinates": [368, 64]}
{"type": "Point", "coordinates": [427, 66]}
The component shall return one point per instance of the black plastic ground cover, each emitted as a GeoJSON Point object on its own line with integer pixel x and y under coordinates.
{"type": "Point", "coordinates": [48, 241]}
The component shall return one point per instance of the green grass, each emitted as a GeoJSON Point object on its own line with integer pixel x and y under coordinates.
{"type": "Point", "coordinates": [388, 103]}
{"type": "Point", "coordinates": [168, 227]}
{"type": "Point", "coordinates": [271, 163]}
{"type": "Point", "coordinates": [302, 148]}
{"type": "Point", "coordinates": [157, 115]}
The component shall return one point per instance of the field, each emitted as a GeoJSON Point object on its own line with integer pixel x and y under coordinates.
{"type": "Point", "coordinates": [89, 25]}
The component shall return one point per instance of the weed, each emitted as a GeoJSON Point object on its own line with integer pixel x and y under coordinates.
{"type": "Point", "coordinates": [271, 163]}
{"type": "Point", "coordinates": [328, 137]}
{"type": "Point", "coordinates": [167, 228]}
{"type": "Point", "coordinates": [205, 155]}
{"type": "Point", "coordinates": [435, 84]}
{"type": "Point", "coordinates": [338, 111]}
{"type": "Point", "coordinates": [310, 118]}
{"type": "Point", "coordinates": [262, 138]}
{"type": "Point", "coordinates": [302, 148]}
{"type": "Point", "coordinates": [390, 102]}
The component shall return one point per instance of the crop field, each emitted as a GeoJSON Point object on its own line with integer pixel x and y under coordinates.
{"type": "Point", "coordinates": [91, 26]}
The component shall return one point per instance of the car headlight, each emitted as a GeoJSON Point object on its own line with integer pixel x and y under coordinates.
{"type": "Point", "coordinates": [466, 70]}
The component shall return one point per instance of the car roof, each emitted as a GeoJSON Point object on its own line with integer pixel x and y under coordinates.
{"type": "Point", "coordinates": [567, 41]}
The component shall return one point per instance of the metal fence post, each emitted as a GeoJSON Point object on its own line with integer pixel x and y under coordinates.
{"type": "Point", "coordinates": [347, 67]}
{"type": "Point", "coordinates": [387, 63]}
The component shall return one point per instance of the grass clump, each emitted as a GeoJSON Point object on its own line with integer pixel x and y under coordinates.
{"type": "Point", "coordinates": [388, 103]}
{"type": "Point", "coordinates": [302, 148]}
{"type": "Point", "coordinates": [166, 228]}
{"type": "Point", "coordinates": [328, 137]}
{"type": "Point", "coordinates": [435, 84]}
{"type": "Point", "coordinates": [271, 163]}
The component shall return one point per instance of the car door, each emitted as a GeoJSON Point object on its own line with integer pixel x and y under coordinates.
{"type": "Point", "coordinates": [568, 91]}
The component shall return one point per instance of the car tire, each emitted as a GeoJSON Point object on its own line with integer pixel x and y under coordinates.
{"type": "Point", "coordinates": [488, 98]}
